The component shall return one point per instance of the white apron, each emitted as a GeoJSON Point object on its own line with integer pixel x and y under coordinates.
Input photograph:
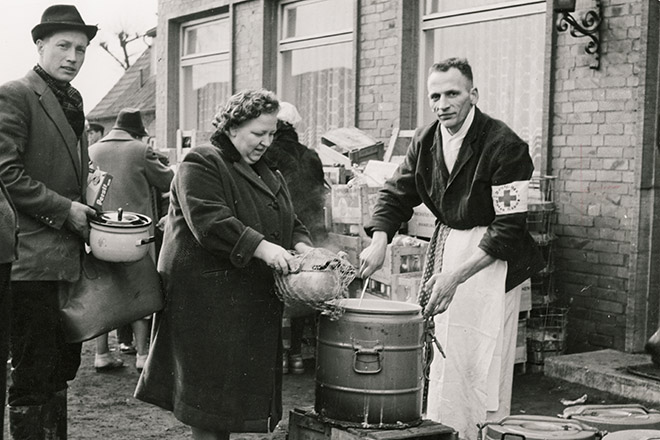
{"type": "Point", "coordinates": [476, 376]}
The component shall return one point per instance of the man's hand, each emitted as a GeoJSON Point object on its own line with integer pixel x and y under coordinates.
{"type": "Point", "coordinates": [373, 257]}
{"type": "Point", "coordinates": [77, 219]}
{"type": "Point", "coordinates": [443, 288]}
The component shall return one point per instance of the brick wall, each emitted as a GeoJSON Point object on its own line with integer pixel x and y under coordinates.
{"type": "Point", "coordinates": [379, 76]}
{"type": "Point", "coordinates": [248, 39]}
{"type": "Point", "coordinates": [594, 145]}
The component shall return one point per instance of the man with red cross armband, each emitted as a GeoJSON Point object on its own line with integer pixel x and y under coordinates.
{"type": "Point", "coordinates": [472, 172]}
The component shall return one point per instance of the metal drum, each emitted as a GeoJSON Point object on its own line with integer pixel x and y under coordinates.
{"type": "Point", "coordinates": [612, 418]}
{"type": "Point", "coordinates": [369, 364]}
{"type": "Point", "coordinates": [540, 428]}
{"type": "Point", "coordinates": [634, 434]}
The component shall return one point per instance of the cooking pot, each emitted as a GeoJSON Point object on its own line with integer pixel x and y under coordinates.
{"type": "Point", "coordinates": [612, 418]}
{"type": "Point", "coordinates": [531, 427]}
{"type": "Point", "coordinates": [120, 237]}
{"type": "Point", "coordinates": [634, 434]}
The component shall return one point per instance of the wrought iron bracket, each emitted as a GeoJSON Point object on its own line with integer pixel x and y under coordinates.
{"type": "Point", "coordinates": [587, 26]}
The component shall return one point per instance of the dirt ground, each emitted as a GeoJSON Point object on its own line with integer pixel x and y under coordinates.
{"type": "Point", "coordinates": [101, 405]}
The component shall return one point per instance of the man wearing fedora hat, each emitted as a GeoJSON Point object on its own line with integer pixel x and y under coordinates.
{"type": "Point", "coordinates": [138, 178]}
{"type": "Point", "coordinates": [44, 166]}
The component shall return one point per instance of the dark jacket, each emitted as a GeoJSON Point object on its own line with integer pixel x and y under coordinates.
{"type": "Point", "coordinates": [491, 155]}
{"type": "Point", "coordinates": [303, 171]}
{"type": "Point", "coordinates": [8, 227]}
{"type": "Point", "coordinates": [44, 167]}
{"type": "Point", "coordinates": [216, 358]}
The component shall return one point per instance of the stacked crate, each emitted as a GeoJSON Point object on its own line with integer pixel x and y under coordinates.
{"type": "Point", "coordinates": [540, 221]}
{"type": "Point", "coordinates": [400, 277]}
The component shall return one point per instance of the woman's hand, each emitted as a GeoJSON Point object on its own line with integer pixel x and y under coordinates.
{"type": "Point", "coordinates": [302, 248]}
{"type": "Point", "coordinates": [275, 256]}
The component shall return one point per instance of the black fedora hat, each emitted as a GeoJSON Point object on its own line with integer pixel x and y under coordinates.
{"type": "Point", "coordinates": [61, 17]}
{"type": "Point", "coordinates": [130, 120]}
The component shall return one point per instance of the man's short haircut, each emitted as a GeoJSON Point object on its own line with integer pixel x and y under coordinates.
{"type": "Point", "coordinates": [96, 127]}
{"type": "Point", "coordinates": [461, 64]}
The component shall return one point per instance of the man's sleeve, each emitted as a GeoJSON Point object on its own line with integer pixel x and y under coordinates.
{"type": "Point", "coordinates": [398, 197]}
{"type": "Point", "coordinates": [159, 175]}
{"type": "Point", "coordinates": [512, 170]}
{"type": "Point", "coordinates": [30, 196]}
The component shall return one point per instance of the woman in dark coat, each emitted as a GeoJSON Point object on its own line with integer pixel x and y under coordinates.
{"type": "Point", "coordinates": [216, 357]}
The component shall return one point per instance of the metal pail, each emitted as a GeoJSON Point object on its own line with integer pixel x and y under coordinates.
{"type": "Point", "coordinates": [369, 363]}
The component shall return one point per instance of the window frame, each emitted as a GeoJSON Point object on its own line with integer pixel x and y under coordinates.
{"type": "Point", "coordinates": [201, 58]}
{"type": "Point", "coordinates": [346, 35]}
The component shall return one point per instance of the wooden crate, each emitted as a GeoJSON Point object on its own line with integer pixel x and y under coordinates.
{"type": "Point", "coordinates": [401, 287]}
{"type": "Point", "coordinates": [307, 426]}
{"type": "Point", "coordinates": [353, 204]}
{"type": "Point", "coordinates": [336, 174]}
{"type": "Point", "coordinates": [351, 244]}
{"type": "Point", "coordinates": [400, 259]}
{"type": "Point", "coordinates": [422, 222]}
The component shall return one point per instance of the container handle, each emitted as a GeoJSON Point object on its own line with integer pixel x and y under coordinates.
{"type": "Point", "coordinates": [367, 360]}
{"type": "Point", "coordinates": [508, 435]}
{"type": "Point", "coordinates": [143, 241]}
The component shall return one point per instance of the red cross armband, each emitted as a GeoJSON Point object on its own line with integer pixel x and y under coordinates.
{"type": "Point", "coordinates": [510, 198]}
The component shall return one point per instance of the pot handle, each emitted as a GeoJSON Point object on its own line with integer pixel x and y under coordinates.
{"type": "Point", "coordinates": [367, 360]}
{"type": "Point", "coordinates": [144, 241]}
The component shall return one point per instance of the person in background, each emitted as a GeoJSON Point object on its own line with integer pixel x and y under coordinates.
{"type": "Point", "coordinates": [8, 253]}
{"type": "Point", "coordinates": [135, 169]}
{"type": "Point", "coordinates": [94, 133]}
{"type": "Point", "coordinates": [216, 358]}
{"type": "Point", "coordinates": [472, 172]}
{"type": "Point", "coordinates": [303, 171]}
{"type": "Point", "coordinates": [44, 166]}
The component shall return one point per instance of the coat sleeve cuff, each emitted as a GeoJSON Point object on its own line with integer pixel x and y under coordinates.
{"type": "Point", "coordinates": [244, 249]}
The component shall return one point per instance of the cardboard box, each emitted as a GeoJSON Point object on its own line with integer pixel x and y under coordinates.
{"type": "Point", "coordinates": [422, 223]}
{"type": "Point", "coordinates": [98, 184]}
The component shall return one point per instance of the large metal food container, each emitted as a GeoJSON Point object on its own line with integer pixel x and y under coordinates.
{"type": "Point", "coordinates": [369, 363]}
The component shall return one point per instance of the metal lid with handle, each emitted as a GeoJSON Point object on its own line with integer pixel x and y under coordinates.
{"type": "Point", "coordinates": [530, 427]}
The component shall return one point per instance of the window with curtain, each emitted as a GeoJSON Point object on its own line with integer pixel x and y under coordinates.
{"type": "Point", "coordinates": [316, 64]}
{"type": "Point", "coordinates": [504, 43]}
{"type": "Point", "coordinates": [205, 74]}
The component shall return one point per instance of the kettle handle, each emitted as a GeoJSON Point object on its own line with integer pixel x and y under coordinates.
{"type": "Point", "coordinates": [143, 241]}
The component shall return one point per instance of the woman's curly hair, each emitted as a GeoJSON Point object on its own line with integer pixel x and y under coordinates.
{"type": "Point", "coordinates": [245, 106]}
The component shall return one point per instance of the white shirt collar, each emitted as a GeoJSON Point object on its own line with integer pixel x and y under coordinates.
{"type": "Point", "coordinates": [460, 134]}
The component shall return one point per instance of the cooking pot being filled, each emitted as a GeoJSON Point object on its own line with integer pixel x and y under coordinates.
{"type": "Point", "coordinates": [120, 237]}
{"type": "Point", "coordinates": [369, 369]}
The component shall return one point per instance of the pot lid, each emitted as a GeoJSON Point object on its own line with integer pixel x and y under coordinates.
{"type": "Point", "coordinates": [540, 428]}
{"type": "Point", "coordinates": [379, 306]}
{"type": "Point", "coordinates": [634, 434]}
{"type": "Point", "coordinates": [615, 417]}
{"type": "Point", "coordinates": [121, 218]}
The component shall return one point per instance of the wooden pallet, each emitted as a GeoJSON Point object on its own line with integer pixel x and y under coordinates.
{"type": "Point", "coordinates": [308, 426]}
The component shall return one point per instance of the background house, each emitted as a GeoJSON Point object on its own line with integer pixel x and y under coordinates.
{"type": "Point", "coordinates": [136, 88]}
{"type": "Point", "coordinates": [363, 63]}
